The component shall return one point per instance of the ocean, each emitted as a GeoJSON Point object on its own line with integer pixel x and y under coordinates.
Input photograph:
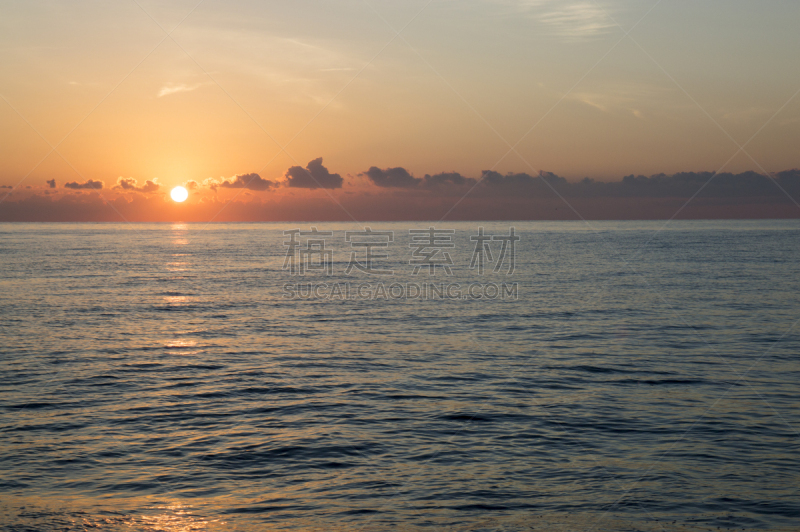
{"type": "Point", "coordinates": [596, 376]}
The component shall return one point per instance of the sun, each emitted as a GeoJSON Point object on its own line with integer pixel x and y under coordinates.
{"type": "Point", "coordinates": [179, 194]}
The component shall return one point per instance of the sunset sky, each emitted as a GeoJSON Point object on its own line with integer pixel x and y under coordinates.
{"type": "Point", "coordinates": [469, 88]}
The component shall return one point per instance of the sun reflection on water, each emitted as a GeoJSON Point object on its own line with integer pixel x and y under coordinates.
{"type": "Point", "coordinates": [182, 347]}
{"type": "Point", "coordinates": [179, 234]}
{"type": "Point", "coordinates": [178, 518]}
{"type": "Point", "coordinates": [176, 266]}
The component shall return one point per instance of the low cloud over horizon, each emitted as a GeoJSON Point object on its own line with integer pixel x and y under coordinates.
{"type": "Point", "coordinates": [679, 185]}
{"type": "Point", "coordinates": [129, 183]}
{"type": "Point", "coordinates": [400, 178]}
{"type": "Point", "coordinates": [247, 181]}
{"type": "Point", "coordinates": [394, 193]}
{"type": "Point", "coordinates": [314, 175]}
{"type": "Point", "coordinates": [88, 185]}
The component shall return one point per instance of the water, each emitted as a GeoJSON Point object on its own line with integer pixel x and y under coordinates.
{"type": "Point", "coordinates": [157, 377]}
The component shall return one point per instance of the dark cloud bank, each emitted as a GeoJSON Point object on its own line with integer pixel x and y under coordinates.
{"type": "Point", "coordinates": [547, 196]}
{"type": "Point", "coordinates": [546, 184]}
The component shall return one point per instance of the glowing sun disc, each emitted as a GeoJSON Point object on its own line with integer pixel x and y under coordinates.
{"type": "Point", "coordinates": [179, 194]}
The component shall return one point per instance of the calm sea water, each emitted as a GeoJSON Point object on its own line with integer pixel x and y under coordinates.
{"type": "Point", "coordinates": [163, 377]}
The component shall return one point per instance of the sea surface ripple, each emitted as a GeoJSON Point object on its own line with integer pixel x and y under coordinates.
{"type": "Point", "coordinates": [157, 377]}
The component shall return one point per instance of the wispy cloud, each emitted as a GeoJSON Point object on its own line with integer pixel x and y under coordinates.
{"type": "Point", "coordinates": [294, 68]}
{"type": "Point", "coordinates": [566, 18]}
{"type": "Point", "coordinates": [626, 98]}
{"type": "Point", "coordinates": [172, 89]}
